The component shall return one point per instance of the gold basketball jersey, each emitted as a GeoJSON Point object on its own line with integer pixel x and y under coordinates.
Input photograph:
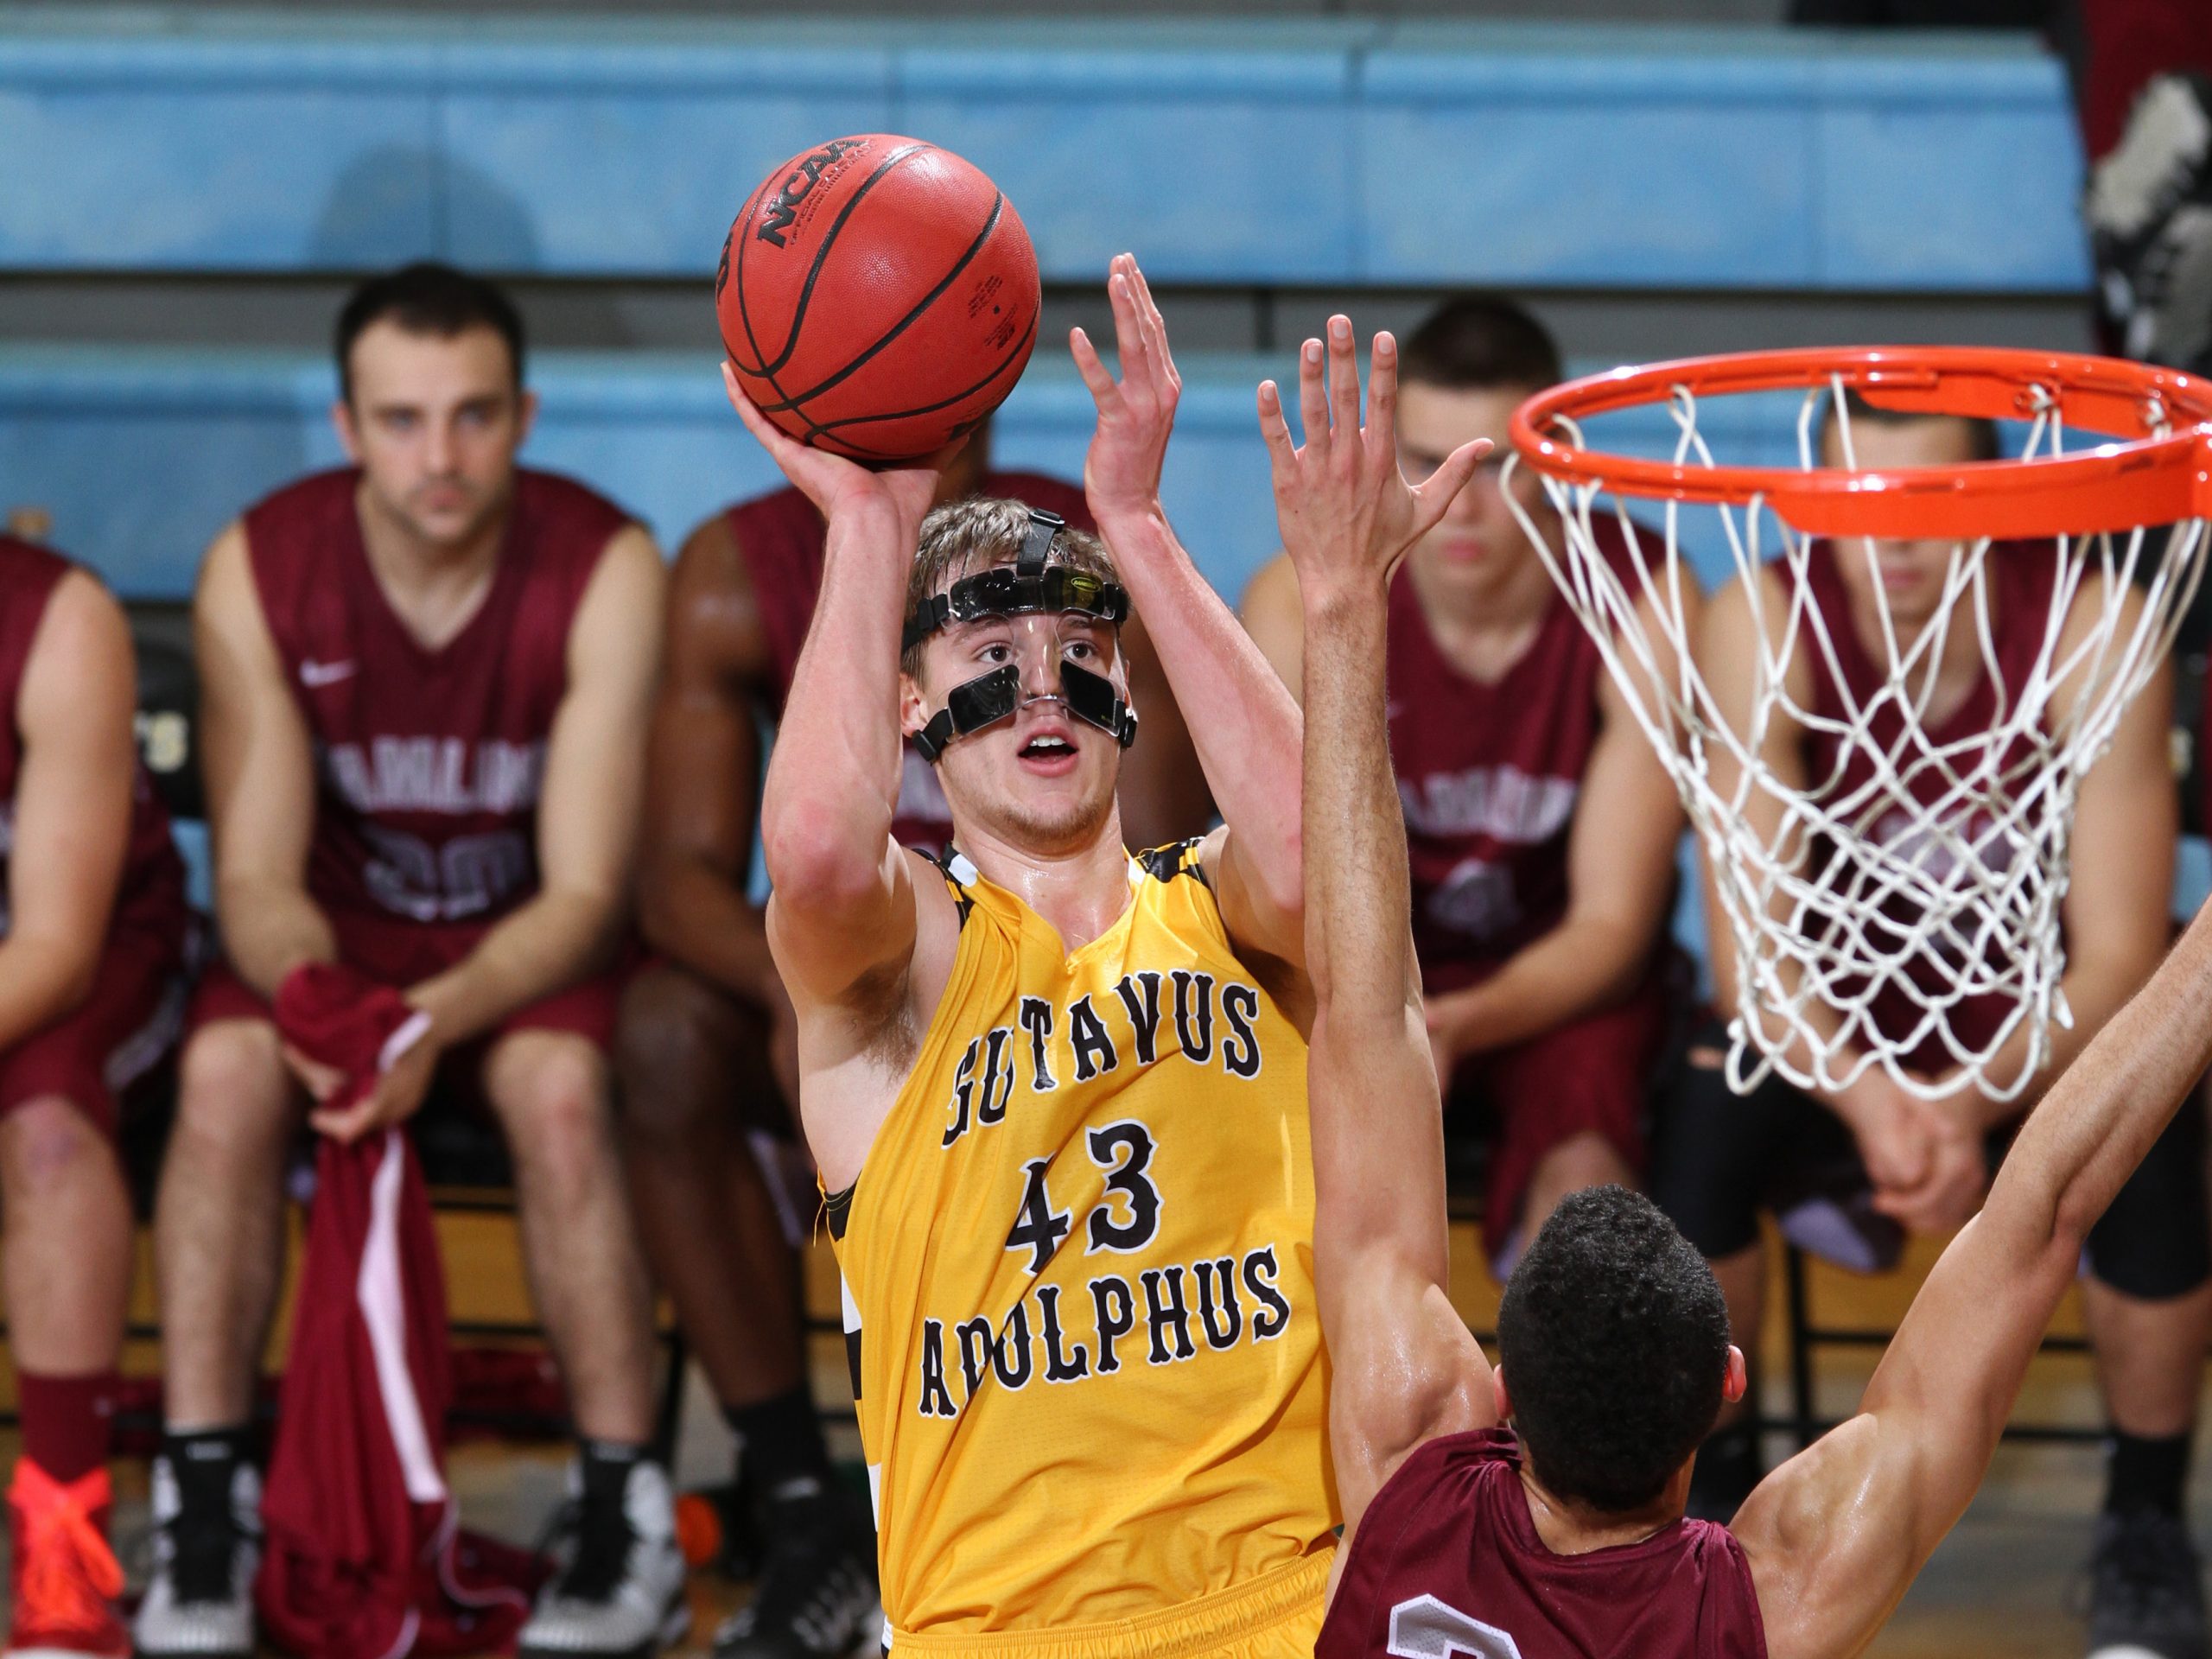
{"type": "Point", "coordinates": [1079, 1277]}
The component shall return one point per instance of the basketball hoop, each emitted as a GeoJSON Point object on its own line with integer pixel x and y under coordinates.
{"type": "Point", "coordinates": [1937, 885]}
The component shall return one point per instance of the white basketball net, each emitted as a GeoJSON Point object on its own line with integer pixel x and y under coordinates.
{"type": "Point", "coordinates": [1871, 891]}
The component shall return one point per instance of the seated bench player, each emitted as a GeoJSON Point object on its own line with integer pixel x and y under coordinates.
{"type": "Point", "coordinates": [92, 940]}
{"type": "Point", "coordinates": [1847, 1171]}
{"type": "Point", "coordinates": [706, 1055]}
{"type": "Point", "coordinates": [1541, 828]}
{"type": "Point", "coordinates": [1535, 1510]}
{"type": "Point", "coordinates": [424, 684]}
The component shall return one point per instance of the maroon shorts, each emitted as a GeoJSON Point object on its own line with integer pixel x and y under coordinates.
{"type": "Point", "coordinates": [115, 1036]}
{"type": "Point", "coordinates": [1591, 1076]}
{"type": "Point", "coordinates": [403, 953]}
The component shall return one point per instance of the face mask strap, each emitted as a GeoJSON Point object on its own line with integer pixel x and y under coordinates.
{"type": "Point", "coordinates": [1038, 538]}
{"type": "Point", "coordinates": [1002, 593]}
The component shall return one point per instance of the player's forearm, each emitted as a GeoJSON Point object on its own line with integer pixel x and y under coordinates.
{"type": "Point", "coordinates": [42, 979]}
{"type": "Point", "coordinates": [2098, 1120]}
{"type": "Point", "coordinates": [548, 943]}
{"type": "Point", "coordinates": [1378, 1151]}
{"type": "Point", "coordinates": [1358, 938]}
{"type": "Point", "coordinates": [2095, 988]}
{"type": "Point", "coordinates": [269, 929]}
{"type": "Point", "coordinates": [1243, 723]}
{"type": "Point", "coordinates": [1583, 964]}
{"type": "Point", "coordinates": [833, 781]}
{"type": "Point", "coordinates": [695, 915]}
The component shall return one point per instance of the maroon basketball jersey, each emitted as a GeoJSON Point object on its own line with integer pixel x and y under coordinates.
{"type": "Point", "coordinates": [1489, 776]}
{"type": "Point", "coordinates": [2127, 42]}
{"type": "Point", "coordinates": [151, 892]}
{"type": "Point", "coordinates": [428, 763]}
{"type": "Point", "coordinates": [1447, 1560]}
{"type": "Point", "coordinates": [783, 541]}
{"type": "Point", "coordinates": [2021, 578]}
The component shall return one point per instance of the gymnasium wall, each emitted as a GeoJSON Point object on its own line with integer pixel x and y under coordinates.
{"type": "Point", "coordinates": [191, 181]}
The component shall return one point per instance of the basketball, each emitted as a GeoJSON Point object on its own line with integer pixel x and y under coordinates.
{"type": "Point", "coordinates": [878, 297]}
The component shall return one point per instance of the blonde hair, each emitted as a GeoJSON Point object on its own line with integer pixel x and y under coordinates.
{"type": "Point", "coordinates": [980, 533]}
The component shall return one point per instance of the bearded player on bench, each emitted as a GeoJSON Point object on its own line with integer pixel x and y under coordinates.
{"type": "Point", "coordinates": [1564, 1533]}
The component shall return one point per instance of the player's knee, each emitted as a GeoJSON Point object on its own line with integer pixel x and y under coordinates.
{"type": "Point", "coordinates": [672, 1053]}
{"type": "Point", "coordinates": [233, 1091]}
{"type": "Point", "coordinates": [45, 1141]}
{"type": "Point", "coordinates": [550, 1091]}
{"type": "Point", "coordinates": [1581, 1160]}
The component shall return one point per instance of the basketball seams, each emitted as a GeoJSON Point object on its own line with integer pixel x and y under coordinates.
{"type": "Point", "coordinates": [744, 311]}
{"type": "Point", "coordinates": [1016, 355]}
{"type": "Point", "coordinates": [967, 258]}
{"type": "Point", "coordinates": [884, 169]}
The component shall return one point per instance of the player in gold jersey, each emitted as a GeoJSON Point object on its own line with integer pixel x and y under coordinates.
{"type": "Point", "coordinates": [1057, 1094]}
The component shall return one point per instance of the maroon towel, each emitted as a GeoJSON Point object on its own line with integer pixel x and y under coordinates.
{"type": "Point", "coordinates": [365, 1559]}
{"type": "Point", "coordinates": [346, 1020]}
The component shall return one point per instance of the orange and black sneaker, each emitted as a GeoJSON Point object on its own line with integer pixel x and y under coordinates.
{"type": "Point", "coordinates": [63, 1576]}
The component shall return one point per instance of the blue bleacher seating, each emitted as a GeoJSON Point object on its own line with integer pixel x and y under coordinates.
{"type": "Point", "coordinates": [1314, 151]}
{"type": "Point", "coordinates": [141, 454]}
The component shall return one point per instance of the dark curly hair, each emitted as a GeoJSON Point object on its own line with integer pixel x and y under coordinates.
{"type": "Point", "coordinates": [1614, 1340]}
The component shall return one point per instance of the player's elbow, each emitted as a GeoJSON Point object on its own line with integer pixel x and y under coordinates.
{"type": "Point", "coordinates": [75, 975]}
{"type": "Point", "coordinates": [1281, 876]}
{"type": "Point", "coordinates": [63, 966]}
{"type": "Point", "coordinates": [2074, 1210]}
{"type": "Point", "coordinates": [815, 869]}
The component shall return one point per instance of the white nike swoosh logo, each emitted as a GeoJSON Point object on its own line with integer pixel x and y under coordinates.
{"type": "Point", "coordinates": [314, 673]}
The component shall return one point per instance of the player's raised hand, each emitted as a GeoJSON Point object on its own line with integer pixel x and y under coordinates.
{"type": "Point", "coordinates": [1120, 475]}
{"type": "Point", "coordinates": [834, 484]}
{"type": "Point", "coordinates": [1345, 511]}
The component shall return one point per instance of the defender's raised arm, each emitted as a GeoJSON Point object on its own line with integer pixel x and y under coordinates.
{"type": "Point", "coordinates": [1405, 1367]}
{"type": "Point", "coordinates": [1835, 1534]}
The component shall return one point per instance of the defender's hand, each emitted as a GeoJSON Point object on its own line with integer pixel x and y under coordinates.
{"type": "Point", "coordinates": [833, 483]}
{"type": "Point", "coordinates": [1345, 511]}
{"type": "Point", "coordinates": [1121, 475]}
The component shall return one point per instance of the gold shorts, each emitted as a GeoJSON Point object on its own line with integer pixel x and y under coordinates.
{"type": "Point", "coordinates": [1277, 1615]}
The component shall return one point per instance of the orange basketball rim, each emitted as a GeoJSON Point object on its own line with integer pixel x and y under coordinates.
{"type": "Point", "coordinates": [2158, 469]}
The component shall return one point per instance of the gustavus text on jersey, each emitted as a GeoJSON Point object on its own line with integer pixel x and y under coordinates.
{"type": "Point", "coordinates": [1147, 1015]}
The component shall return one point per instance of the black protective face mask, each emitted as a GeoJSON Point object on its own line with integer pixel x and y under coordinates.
{"type": "Point", "coordinates": [989, 699]}
{"type": "Point", "coordinates": [1030, 588]}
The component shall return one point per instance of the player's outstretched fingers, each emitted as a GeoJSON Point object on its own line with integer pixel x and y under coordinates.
{"type": "Point", "coordinates": [1088, 364]}
{"type": "Point", "coordinates": [1314, 398]}
{"type": "Point", "coordinates": [1435, 492]}
{"type": "Point", "coordinates": [1128, 328]}
{"type": "Point", "coordinates": [1381, 424]}
{"type": "Point", "coordinates": [1344, 379]}
{"type": "Point", "coordinates": [1155, 326]}
{"type": "Point", "coordinates": [1274, 432]}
